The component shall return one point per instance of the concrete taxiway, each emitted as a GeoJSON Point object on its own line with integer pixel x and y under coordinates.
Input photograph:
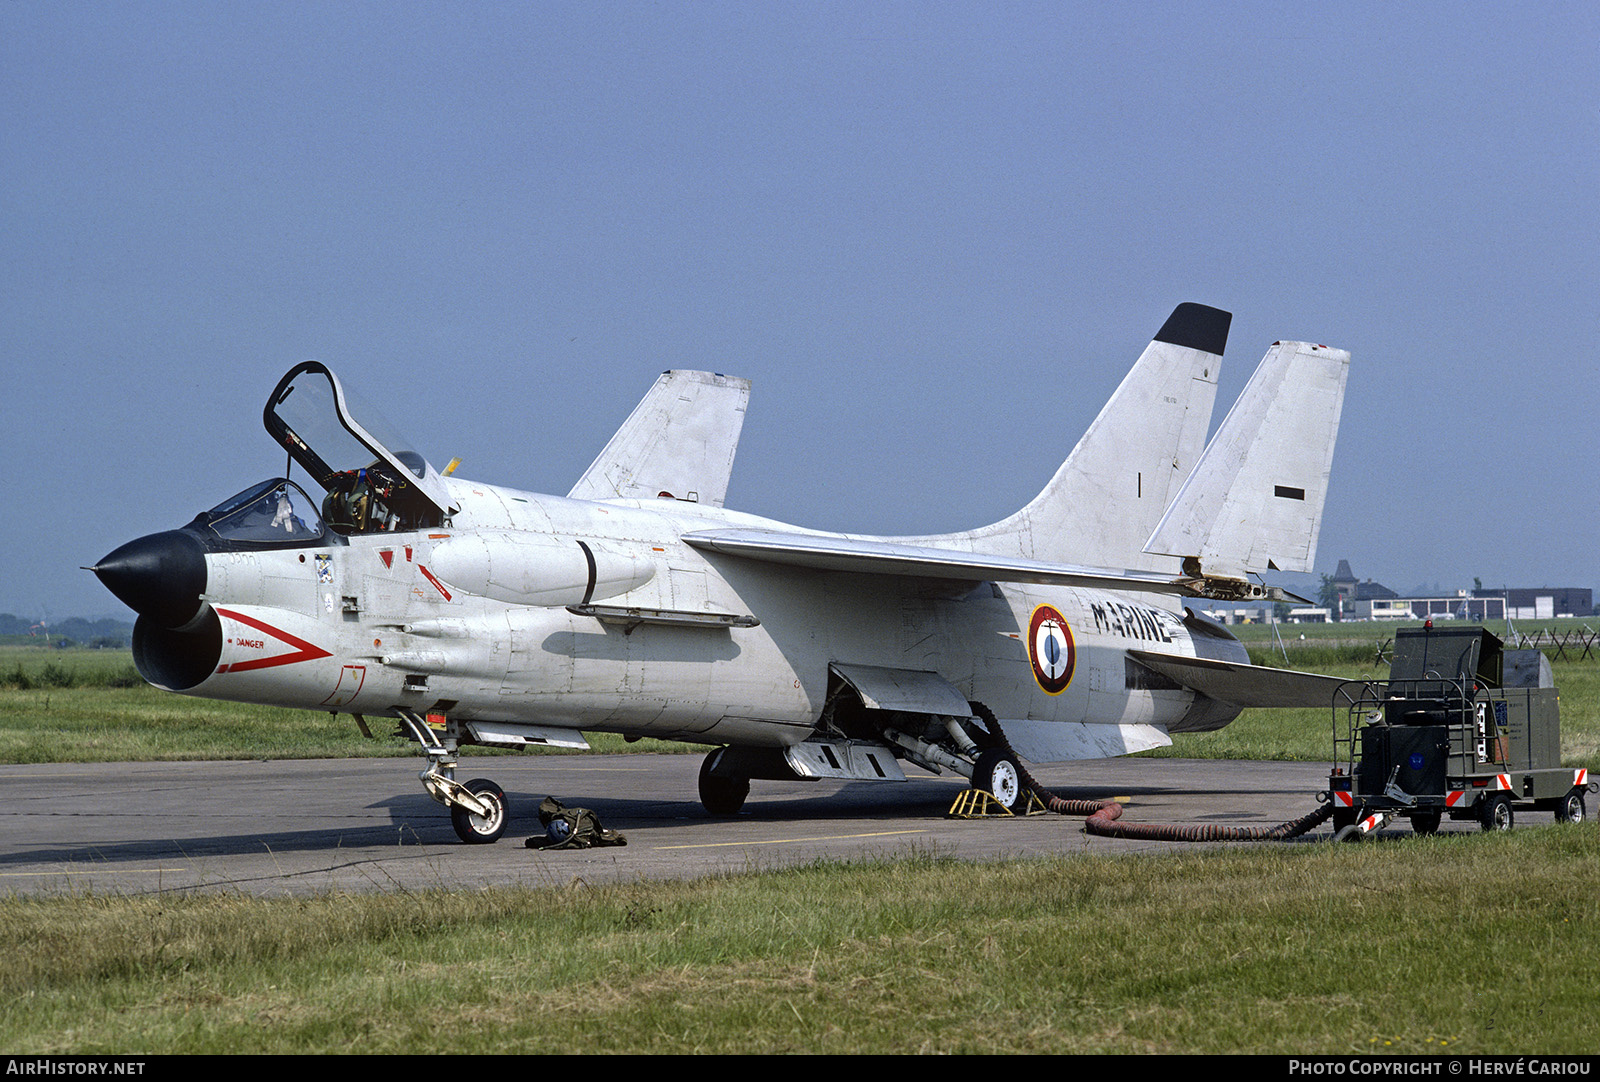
{"type": "Point", "coordinates": [297, 827]}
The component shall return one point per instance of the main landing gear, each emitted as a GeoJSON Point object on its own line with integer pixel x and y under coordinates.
{"type": "Point", "coordinates": [998, 773]}
{"type": "Point", "coordinates": [721, 796]}
{"type": "Point", "coordinates": [478, 808]}
{"type": "Point", "coordinates": [971, 746]}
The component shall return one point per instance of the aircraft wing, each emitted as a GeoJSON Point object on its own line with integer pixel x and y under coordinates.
{"type": "Point", "coordinates": [868, 556]}
{"type": "Point", "coordinates": [679, 441]}
{"type": "Point", "coordinates": [1244, 685]}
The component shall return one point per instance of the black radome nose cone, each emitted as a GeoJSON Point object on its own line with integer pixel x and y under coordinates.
{"type": "Point", "coordinates": [160, 577]}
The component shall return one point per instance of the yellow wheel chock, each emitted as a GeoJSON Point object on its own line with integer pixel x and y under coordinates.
{"type": "Point", "coordinates": [978, 804]}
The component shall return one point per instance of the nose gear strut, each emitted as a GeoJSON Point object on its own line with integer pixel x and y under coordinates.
{"type": "Point", "coordinates": [478, 807]}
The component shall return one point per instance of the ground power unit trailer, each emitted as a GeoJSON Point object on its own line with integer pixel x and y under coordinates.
{"type": "Point", "coordinates": [1462, 728]}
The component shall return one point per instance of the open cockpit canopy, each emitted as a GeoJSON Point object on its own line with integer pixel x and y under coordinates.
{"type": "Point", "coordinates": [373, 478]}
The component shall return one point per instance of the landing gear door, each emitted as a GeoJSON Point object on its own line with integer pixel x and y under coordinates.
{"type": "Point", "coordinates": [909, 690]}
{"type": "Point", "coordinates": [336, 437]}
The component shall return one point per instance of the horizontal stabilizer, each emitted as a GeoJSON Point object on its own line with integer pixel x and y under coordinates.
{"type": "Point", "coordinates": [1254, 501]}
{"type": "Point", "coordinates": [1244, 685]}
{"type": "Point", "coordinates": [679, 441]}
{"type": "Point", "coordinates": [870, 556]}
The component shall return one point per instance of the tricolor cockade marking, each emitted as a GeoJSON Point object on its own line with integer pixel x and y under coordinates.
{"type": "Point", "coordinates": [1051, 650]}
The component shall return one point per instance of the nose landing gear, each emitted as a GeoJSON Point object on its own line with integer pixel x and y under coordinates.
{"type": "Point", "coordinates": [478, 809]}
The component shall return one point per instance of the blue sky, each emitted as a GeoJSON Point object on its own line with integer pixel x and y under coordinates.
{"type": "Point", "coordinates": [933, 235]}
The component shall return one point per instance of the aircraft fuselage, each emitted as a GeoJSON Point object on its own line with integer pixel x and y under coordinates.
{"type": "Point", "coordinates": [440, 619]}
{"type": "Point", "coordinates": [638, 604]}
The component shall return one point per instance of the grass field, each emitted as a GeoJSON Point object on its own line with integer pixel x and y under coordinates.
{"type": "Point", "coordinates": [1464, 943]}
{"type": "Point", "coordinates": [1472, 943]}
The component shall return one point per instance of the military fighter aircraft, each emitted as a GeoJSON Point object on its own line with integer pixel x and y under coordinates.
{"type": "Point", "coordinates": [639, 604]}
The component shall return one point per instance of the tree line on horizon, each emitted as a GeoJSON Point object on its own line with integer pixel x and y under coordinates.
{"type": "Point", "coordinates": [75, 630]}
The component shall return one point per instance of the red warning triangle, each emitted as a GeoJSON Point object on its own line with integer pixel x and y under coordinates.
{"type": "Point", "coordinates": [299, 649]}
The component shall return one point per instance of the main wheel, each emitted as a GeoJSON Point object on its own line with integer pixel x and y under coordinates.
{"type": "Point", "coordinates": [1426, 822]}
{"type": "Point", "coordinates": [721, 796]}
{"type": "Point", "coordinates": [481, 829]}
{"type": "Point", "coordinates": [999, 774]}
{"type": "Point", "coordinates": [1495, 813]}
{"type": "Point", "coordinates": [1571, 809]}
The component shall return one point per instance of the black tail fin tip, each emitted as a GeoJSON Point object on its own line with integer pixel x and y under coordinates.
{"type": "Point", "coordinates": [1197, 326]}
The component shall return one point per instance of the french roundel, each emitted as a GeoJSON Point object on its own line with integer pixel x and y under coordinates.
{"type": "Point", "coordinates": [1051, 650]}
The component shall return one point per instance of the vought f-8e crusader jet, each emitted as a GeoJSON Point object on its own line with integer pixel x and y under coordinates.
{"type": "Point", "coordinates": [638, 604]}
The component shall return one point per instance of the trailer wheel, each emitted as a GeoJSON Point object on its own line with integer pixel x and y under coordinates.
{"type": "Point", "coordinates": [1425, 822]}
{"type": "Point", "coordinates": [1571, 809]}
{"type": "Point", "coordinates": [1495, 813]}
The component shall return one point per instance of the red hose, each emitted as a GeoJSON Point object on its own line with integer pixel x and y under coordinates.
{"type": "Point", "coordinates": [1101, 823]}
{"type": "Point", "coordinates": [1102, 814]}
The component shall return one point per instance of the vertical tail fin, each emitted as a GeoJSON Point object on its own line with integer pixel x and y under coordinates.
{"type": "Point", "coordinates": [1254, 501]}
{"type": "Point", "coordinates": [679, 441]}
{"type": "Point", "coordinates": [1111, 491]}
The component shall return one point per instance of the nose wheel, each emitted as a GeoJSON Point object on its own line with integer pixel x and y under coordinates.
{"type": "Point", "coordinates": [478, 809]}
{"type": "Point", "coordinates": [480, 829]}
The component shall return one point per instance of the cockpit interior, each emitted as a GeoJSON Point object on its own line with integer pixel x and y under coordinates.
{"type": "Point", "coordinates": [374, 482]}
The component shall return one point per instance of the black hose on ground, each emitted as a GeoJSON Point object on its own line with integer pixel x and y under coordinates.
{"type": "Point", "coordinates": [1102, 814]}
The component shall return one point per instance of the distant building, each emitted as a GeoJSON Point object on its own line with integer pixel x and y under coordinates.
{"type": "Point", "coordinates": [1240, 615]}
{"type": "Point", "coordinates": [1460, 607]}
{"type": "Point", "coordinates": [1344, 585]}
{"type": "Point", "coordinates": [1354, 596]}
{"type": "Point", "coordinates": [1371, 600]}
{"type": "Point", "coordinates": [1352, 593]}
{"type": "Point", "coordinates": [1268, 614]}
{"type": "Point", "coordinates": [1373, 591]}
{"type": "Point", "coordinates": [1543, 602]}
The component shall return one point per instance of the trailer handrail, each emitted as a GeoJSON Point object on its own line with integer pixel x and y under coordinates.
{"type": "Point", "coordinates": [1370, 699]}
